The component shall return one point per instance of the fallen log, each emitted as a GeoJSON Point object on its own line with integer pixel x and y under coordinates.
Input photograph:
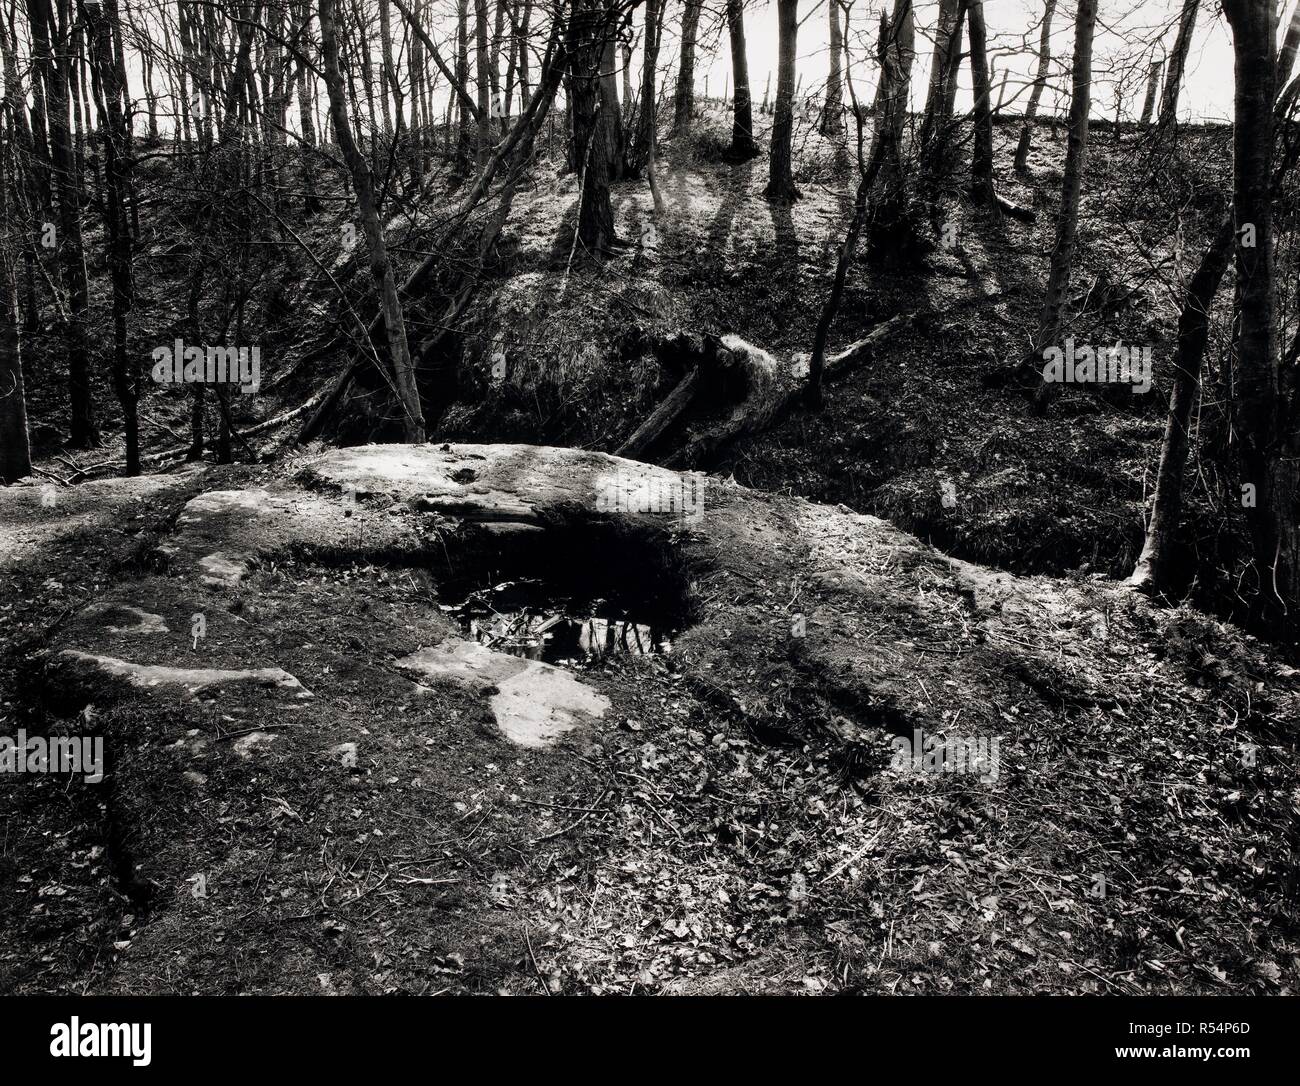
{"type": "Point", "coordinates": [737, 388]}
{"type": "Point", "coordinates": [662, 417]}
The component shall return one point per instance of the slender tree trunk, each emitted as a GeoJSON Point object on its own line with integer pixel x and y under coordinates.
{"type": "Point", "coordinates": [463, 141]}
{"type": "Point", "coordinates": [1036, 92]}
{"type": "Point", "coordinates": [1153, 88]}
{"type": "Point", "coordinates": [311, 204]}
{"type": "Point", "coordinates": [380, 267]}
{"type": "Point", "coordinates": [390, 69]}
{"type": "Point", "coordinates": [869, 171]}
{"type": "Point", "coordinates": [684, 97]}
{"type": "Point", "coordinates": [1152, 567]}
{"type": "Point", "coordinates": [893, 228]}
{"type": "Point", "coordinates": [742, 146]}
{"type": "Point", "coordinates": [982, 157]}
{"type": "Point", "coordinates": [483, 145]}
{"type": "Point", "coordinates": [33, 139]}
{"type": "Point", "coordinates": [524, 59]}
{"type": "Point", "coordinates": [117, 172]}
{"type": "Point", "coordinates": [512, 53]}
{"type": "Point", "coordinates": [1067, 223]}
{"type": "Point", "coordinates": [72, 260]}
{"type": "Point", "coordinates": [647, 113]}
{"type": "Point", "coordinates": [1177, 63]}
{"type": "Point", "coordinates": [494, 69]}
{"type": "Point", "coordinates": [780, 182]}
{"type": "Point", "coordinates": [627, 70]}
{"type": "Point", "coordinates": [15, 449]}
{"type": "Point", "coordinates": [193, 293]}
{"type": "Point", "coordinates": [939, 102]}
{"type": "Point", "coordinates": [420, 123]}
{"type": "Point", "coordinates": [832, 123]}
{"type": "Point", "coordinates": [954, 61]}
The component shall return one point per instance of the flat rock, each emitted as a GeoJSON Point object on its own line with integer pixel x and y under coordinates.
{"type": "Point", "coordinates": [194, 680]}
{"type": "Point", "coordinates": [534, 703]}
{"type": "Point", "coordinates": [115, 619]}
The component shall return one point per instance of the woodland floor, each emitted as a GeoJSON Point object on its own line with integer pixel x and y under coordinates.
{"type": "Point", "coordinates": [714, 831]}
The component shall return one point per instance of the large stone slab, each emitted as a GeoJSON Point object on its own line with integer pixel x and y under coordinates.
{"type": "Point", "coordinates": [534, 703]}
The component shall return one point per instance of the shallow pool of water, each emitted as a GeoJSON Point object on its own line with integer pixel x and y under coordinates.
{"type": "Point", "coordinates": [515, 618]}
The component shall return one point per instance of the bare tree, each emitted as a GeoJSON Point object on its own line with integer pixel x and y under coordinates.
{"type": "Point", "coordinates": [1036, 92]}
{"type": "Point", "coordinates": [1067, 222]}
{"type": "Point", "coordinates": [933, 138]}
{"type": "Point", "coordinates": [102, 22]}
{"type": "Point", "coordinates": [53, 72]}
{"type": "Point", "coordinates": [380, 267]}
{"type": "Point", "coordinates": [1177, 62]}
{"type": "Point", "coordinates": [894, 50]}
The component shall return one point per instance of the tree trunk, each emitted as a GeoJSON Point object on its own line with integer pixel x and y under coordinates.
{"type": "Point", "coordinates": [308, 134]}
{"type": "Point", "coordinates": [890, 55]}
{"type": "Point", "coordinates": [483, 145]}
{"type": "Point", "coordinates": [833, 111]}
{"type": "Point", "coordinates": [587, 29]}
{"type": "Point", "coordinates": [1036, 92]}
{"type": "Point", "coordinates": [1177, 62]}
{"type": "Point", "coordinates": [780, 182]}
{"type": "Point", "coordinates": [616, 150]}
{"type": "Point", "coordinates": [380, 267]}
{"type": "Point", "coordinates": [389, 81]}
{"type": "Point", "coordinates": [944, 65]}
{"type": "Point", "coordinates": [894, 238]}
{"type": "Point", "coordinates": [461, 165]}
{"type": "Point", "coordinates": [1263, 407]}
{"type": "Point", "coordinates": [684, 97]}
{"type": "Point", "coordinates": [72, 260]}
{"type": "Point", "coordinates": [982, 156]}
{"type": "Point", "coordinates": [1193, 330]}
{"type": "Point", "coordinates": [108, 100]}
{"type": "Point", "coordinates": [15, 450]}
{"type": "Point", "coordinates": [1153, 88]}
{"type": "Point", "coordinates": [524, 94]}
{"type": "Point", "coordinates": [643, 145]}
{"type": "Point", "coordinates": [1067, 223]}
{"type": "Point", "coordinates": [742, 146]}
{"type": "Point", "coordinates": [494, 69]}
